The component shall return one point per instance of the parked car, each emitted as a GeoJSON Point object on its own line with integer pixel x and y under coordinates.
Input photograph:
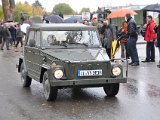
{"type": "Point", "coordinates": [68, 55]}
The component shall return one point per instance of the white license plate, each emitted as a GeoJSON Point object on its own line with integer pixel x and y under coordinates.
{"type": "Point", "coordinates": [89, 73]}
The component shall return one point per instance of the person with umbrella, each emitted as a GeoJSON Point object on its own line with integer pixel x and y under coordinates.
{"type": "Point", "coordinates": [133, 37]}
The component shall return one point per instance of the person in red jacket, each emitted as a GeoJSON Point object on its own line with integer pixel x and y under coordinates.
{"type": "Point", "coordinates": [150, 37]}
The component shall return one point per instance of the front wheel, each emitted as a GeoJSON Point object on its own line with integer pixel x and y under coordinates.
{"type": "Point", "coordinates": [111, 89]}
{"type": "Point", "coordinates": [50, 92]}
{"type": "Point", "coordinates": [25, 79]}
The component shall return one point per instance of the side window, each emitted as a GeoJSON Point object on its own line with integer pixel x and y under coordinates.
{"type": "Point", "coordinates": [31, 36]}
{"type": "Point", "coordinates": [34, 35]}
{"type": "Point", "coordinates": [38, 36]}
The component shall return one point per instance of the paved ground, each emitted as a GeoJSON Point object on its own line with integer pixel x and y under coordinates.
{"type": "Point", "coordinates": [139, 99]}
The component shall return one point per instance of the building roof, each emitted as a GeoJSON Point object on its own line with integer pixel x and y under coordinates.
{"type": "Point", "coordinates": [133, 7]}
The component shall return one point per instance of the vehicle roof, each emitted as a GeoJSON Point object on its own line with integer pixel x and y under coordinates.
{"type": "Point", "coordinates": [62, 26]}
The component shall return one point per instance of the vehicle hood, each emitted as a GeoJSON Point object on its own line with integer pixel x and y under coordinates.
{"type": "Point", "coordinates": [74, 55]}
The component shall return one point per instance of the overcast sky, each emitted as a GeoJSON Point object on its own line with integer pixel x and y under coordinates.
{"type": "Point", "coordinates": [92, 4]}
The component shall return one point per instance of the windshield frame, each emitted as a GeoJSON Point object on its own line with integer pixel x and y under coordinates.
{"type": "Point", "coordinates": [69, 46]}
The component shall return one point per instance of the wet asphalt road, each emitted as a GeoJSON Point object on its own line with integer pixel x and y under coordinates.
{"type": "Point", "coordinates": [139, 99]}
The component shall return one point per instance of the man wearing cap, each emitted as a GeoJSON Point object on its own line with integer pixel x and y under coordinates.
{"type": "Point", "coordinates": [132, 40]}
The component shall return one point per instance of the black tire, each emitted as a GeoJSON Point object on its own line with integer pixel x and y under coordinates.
{"type": "Point", "coordinates": [50, 92]}
{"type": "Point", "coordinates": [26, 80]}
{"type": "Point", "coordinates": [111, 89]}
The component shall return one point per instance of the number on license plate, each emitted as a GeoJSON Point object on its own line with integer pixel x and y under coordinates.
{"type": "Point", "coordinates": [89, 73]}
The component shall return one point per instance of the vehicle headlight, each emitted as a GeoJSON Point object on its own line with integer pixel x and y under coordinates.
{"type": "Point", "coordinates": [116, 71]}
{"type": "Point", "coordinates": [58, 74]}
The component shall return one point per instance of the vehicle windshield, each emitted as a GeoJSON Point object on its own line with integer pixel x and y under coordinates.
{"type": "Point", "coordinates": [70, 38]}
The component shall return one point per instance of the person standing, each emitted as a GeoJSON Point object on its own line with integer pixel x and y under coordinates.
{"type": "Point", "coordinates": [109, 36]}
{"type": "Point", "coordinates": [19, 35]}
{"type": "Point", "coordinates": [5, 37]}
{"type": "Point", "coordinates": [12, 30]}
{"type": "Point", "coordinates": [122, 34]}
{"type": "Point", "coordinates": [150, 37]}
{"type": "Point", "coordinates": [132, 40]}
{"type": "Point", "coordinates": [158, 39]}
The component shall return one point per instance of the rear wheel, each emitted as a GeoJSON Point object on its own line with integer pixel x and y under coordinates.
{"type": "Point", "coordinates": [111, 89]}
{"type": "Point", "coordinates": [25, 79]}
{"type": "Point", "coordinates": [50, 92]}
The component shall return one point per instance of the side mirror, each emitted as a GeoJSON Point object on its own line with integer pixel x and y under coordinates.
{"type": "Point", "coordinates": [32, 43]}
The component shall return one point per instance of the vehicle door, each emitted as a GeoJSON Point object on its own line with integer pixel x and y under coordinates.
{"type": "Point", "coordinates": [32, 54]}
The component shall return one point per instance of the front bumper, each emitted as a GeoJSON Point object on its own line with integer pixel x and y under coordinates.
{"type": "Point", "coordinates": [87, 82]}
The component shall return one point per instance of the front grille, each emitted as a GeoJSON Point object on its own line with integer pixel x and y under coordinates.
{"type": "Point", "coordinates": [74, 67]}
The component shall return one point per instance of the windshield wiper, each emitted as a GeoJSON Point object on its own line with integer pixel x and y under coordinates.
{"type": "Point", "coordinates": [80, 44]}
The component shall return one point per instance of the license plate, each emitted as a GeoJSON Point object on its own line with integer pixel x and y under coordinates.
{"type": "Point", "coordinates": [89, 73]}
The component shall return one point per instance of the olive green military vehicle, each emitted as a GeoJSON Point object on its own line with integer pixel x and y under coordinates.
{"type": "Point", "coordinates": [68, 55]}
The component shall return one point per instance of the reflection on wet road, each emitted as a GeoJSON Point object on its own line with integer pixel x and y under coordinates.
{"type": "Point", "coordinates": [139, 99]}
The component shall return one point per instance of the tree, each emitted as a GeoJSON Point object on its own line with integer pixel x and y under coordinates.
{"type": "Point", "coordinates": [1, 13]}
{"type": "Point", "coordinates": [23, 7]}
{"type": "Point", "coordinates": [5, 5]}
{"type": "Point", "coordinates": [22, 10]}
{"type": "Point", "coordinates": [84, 10]}
{"type": "Point", "coordinates": [38, 10]}
{"type": "Point", "coordinates": [63, 8]}
{"type": "Point", "coordinates": [37, 4]}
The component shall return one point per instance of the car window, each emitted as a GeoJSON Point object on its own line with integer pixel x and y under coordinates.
{"type": "Point", "coordinates": [31, 36]}
{"type": "Point", "coordinates": [34, 35]}
{"type": "Point", "coordinates": [87, 37]}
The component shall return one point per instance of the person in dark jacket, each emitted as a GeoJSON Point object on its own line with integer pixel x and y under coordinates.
{"type": "Point", "coordinates": [150, 36]}
{"type": "Point", "coordinates": [12, 30]}
{"type": "Point", "coordinates": [5, 37]}
{"type": "Point", "coordinates": [158, 39]}
{"type": "Point", "coordinates": [108, 36]}
{"type": "Point", "coordinates": [19, 35]}
{"type": "Point", "coordinates": [132, 40]}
